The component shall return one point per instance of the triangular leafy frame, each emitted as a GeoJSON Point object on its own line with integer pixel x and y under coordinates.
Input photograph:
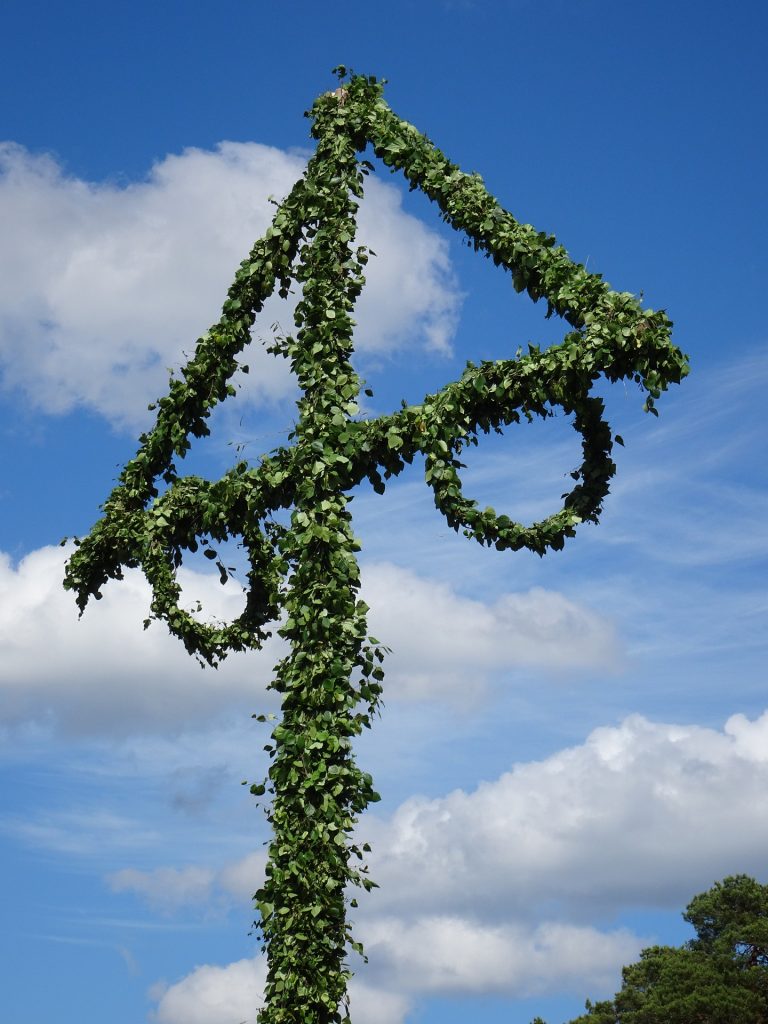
{"type": "Point", "coordinates": [611, 335]}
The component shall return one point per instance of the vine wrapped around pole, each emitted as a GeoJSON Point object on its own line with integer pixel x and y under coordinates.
{"type": "Point", "coordinates": [331, 679]}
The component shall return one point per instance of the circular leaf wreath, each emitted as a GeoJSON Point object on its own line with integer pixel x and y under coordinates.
{"type": "Point", "coordinates": [308, 571]}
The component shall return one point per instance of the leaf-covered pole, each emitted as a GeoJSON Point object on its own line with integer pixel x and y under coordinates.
{"type": "Point", "coordinates": [330, 681]}
{"type": "Point", "coordinates": [318, 788]}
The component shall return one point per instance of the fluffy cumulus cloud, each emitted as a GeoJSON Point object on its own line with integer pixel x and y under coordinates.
{"type": "Point", "coordinates": [213, 995]}
{"type": "Point", "coordinates": [436, 955]}
{"type": "Point", "coordinates": [105, 674]}
{"type": "Point", "coordinates": [490, 891]}
{"type": "Point", "coordinates": [640, 814]}
{"type": "Point", "coordinates": [443, 954]}
{"type": "Point", "coordinates": [103, 286]}
{"type": "Point", "coordinates": [224, 995]}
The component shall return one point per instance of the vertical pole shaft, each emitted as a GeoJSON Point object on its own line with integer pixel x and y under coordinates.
{"type": "Point", "coordinates": [318, 788]}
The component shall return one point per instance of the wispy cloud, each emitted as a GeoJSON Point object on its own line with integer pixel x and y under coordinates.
{"type": "Point", "coordinates": [165, 888]}
{"type": "Point", "coordinates": [123, 952]}
{"type": "Point", "coordinates": [84, 833]}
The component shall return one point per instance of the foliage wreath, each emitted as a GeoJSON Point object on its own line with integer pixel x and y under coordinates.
{"type": "Point", "coordinates": [308, 570]}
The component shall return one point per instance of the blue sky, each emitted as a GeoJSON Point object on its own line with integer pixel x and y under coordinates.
{"type": "Point", "coordinates": [571, 747]}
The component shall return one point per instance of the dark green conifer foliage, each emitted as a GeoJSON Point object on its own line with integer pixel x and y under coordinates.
{"type": "Point", "coordinates": [720, 977]}
{"type": "Point", "coordinates": [331, 680]}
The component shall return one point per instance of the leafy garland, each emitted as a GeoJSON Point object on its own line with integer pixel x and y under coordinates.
{"type": "Point", "coordinates": [331, 680]}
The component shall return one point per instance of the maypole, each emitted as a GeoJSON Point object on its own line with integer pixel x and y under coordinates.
{"type": "Point", "coordinates": [307, 571]}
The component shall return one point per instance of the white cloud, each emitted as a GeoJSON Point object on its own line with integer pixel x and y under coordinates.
{"type": "Point", "coordinates": [233, 994]}
{"type": "Point", "coordinates": [214, 995]}
{"type": "Point", "coordinates": [409, 282]}
{"type": "Point", "coordinates": [103, 286]}
{"type": "Point", "coordinates": [432, 955]}
{"type": "Point", "coordinates": [641, 814]}
{"type": "Point", "coordinates": [444, 954]}
{"type": "Point", "coordinates": [103, 674]}
{"type": "Point", "coordinates": [245, 876]}
{"type": "Point", "coordinates": [169, 889]}
{"type": "Point", "coordinates": [446, 644]}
